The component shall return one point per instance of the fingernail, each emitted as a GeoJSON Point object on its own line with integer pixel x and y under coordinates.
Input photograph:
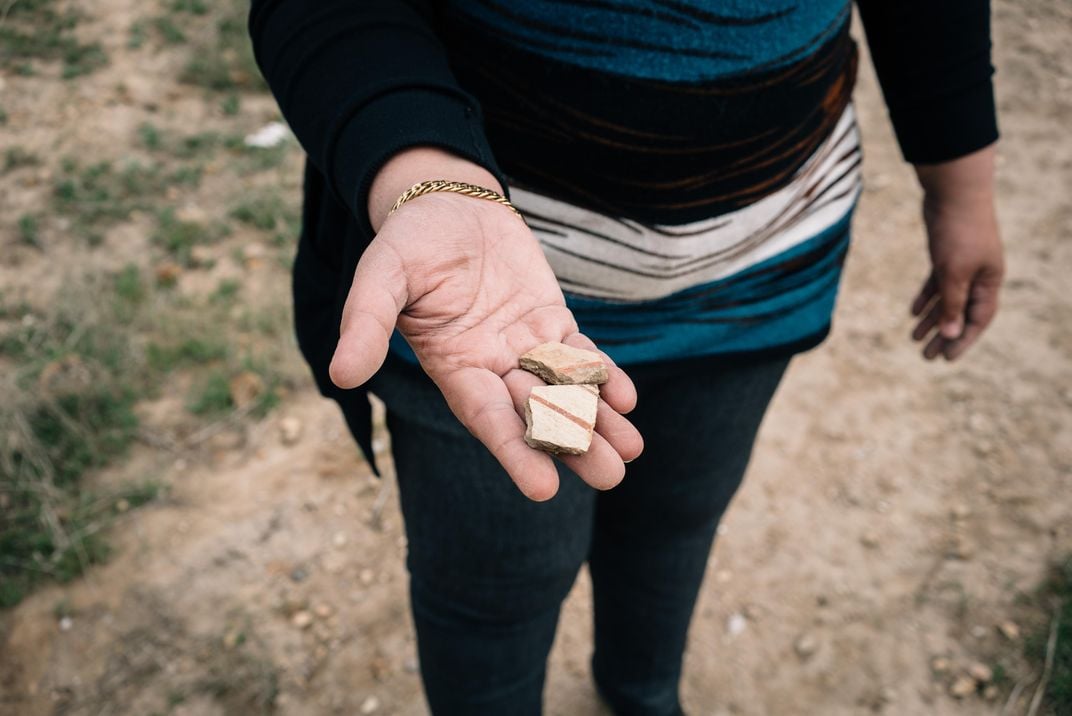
{"type": "Point", "coordinates": [951, 329]}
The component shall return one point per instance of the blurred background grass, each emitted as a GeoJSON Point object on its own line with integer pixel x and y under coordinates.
{"type": "Point", "coordinates": [77, 358]}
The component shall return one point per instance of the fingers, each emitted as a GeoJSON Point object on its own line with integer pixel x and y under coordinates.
{"type": "Point", "coordinates": [482, 403]}
{"type": "Point", "coordinates": [377, 296]}
{"type": "Point", "coordinates": [974, 303]}
{"type": "Point", "coordinates": [982, 307]}
{"type": "Point", "coordinates": [619, 432]}
{"type": "Point", "coordinates": [618, 391]}
{"type": "Point", "coordinates": [934, 346]}
{"type": "Point", "coordinates": [953, 294]}
{"type": "Point", "coordinates": [925, 296]}
{"type": "Point", "coordinates": [954, 349]}
{"type": "Point", "coordinates": [927, 323]}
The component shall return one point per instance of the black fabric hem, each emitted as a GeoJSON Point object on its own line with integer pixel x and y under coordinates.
{"type": "Point", "coordinates": [954, 126]}
{"type": "Point", "coordinates": [401, 120]}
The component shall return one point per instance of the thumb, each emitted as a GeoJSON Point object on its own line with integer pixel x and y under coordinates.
{"type": "Point", "coordinates": [377, 296]}
{"type": "Point", "coordinates": [953, 291]}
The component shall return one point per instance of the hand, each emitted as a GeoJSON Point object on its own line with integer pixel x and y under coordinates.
{"type": "Point", "coordinates": [960, 297]}
{"type": "Point", "coordinates": [468, 286]}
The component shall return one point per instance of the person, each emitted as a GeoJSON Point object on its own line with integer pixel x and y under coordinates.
{"type": "Point", "coordinates": [687, 172]}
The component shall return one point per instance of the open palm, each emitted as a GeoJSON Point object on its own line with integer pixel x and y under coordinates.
{"type": "Point", "coordinates": [467, 285]}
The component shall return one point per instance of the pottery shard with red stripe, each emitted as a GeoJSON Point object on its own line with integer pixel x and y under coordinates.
{"type": "Point", "coordinates": [560, 418]}
{"type": "Point", "coordinates": [560, 364]}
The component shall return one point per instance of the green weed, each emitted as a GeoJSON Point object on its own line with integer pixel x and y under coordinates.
{"type": "Point", "coordinates": [194, 7]}
{"type": "Point", "coordinates": [188, 176]}
{"type": "Point", "coordinates": [225, 291]}
{"type": "Point", "coordinates": [179, 237]}
{"type": "Point", "coordinates": [17, 158]}
{"type": "Point", "coordinates": [212, 396]}
{"type": "Point", "coordinates": [1056, 594]}
{"type": "Point", "coordinates": [149, 136]}
{"type": "Point", "coordinates": [166, 357]}
{"type": "Point", "coordinates": [129, 287]}
{"type": "Point", "coordinates": [37, 31]}
{"type": "Point", "coordinates": [67, 408]}
{"type": "Point", "coordinates": [230, 105]}
{"type": "Point", "coordinates": [101, 194]}
{"type": "Point", "coordinates": [225, 62]}
{"type": "Point", "coordinates": [196, 145]}
{"type": "Point", "coordinates": [267, 212]}
{"type": "Point", "coordinates": [137, 34]}
{"type": "Point", "coordinates": [171, 33]}
{"type": "Point", "coordinates": [72, 377]}
{"type": "Point", "coordinates": [28, 231]}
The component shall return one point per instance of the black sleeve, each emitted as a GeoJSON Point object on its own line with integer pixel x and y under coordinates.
{"type": "Point", "coordinates": [933, 62]}
{"type": "Point", "coordinates": [360, 80]}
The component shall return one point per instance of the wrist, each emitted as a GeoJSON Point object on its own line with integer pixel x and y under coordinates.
{"type": "Point", "coordinates": [965, 182]}
{"type": "Point", "coordinates": [417, 164]}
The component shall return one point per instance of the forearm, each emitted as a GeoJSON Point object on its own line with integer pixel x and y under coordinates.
{"type": "Point", "coordinates": [417, 164]}
{"type": "Point", "coordinates": [933, 62]}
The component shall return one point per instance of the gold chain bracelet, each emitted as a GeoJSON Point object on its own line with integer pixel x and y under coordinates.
{"type": "Point", "coordinates": [456, 187]}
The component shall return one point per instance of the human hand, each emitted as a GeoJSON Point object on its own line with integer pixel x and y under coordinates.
{"type": "Point", "coordinates": [960, 297]}
{"type": "Point", "coordinates": [468, 286]}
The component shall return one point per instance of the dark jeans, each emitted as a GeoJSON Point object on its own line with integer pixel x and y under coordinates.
{"type": "Point", "coordinates": [489, 569]}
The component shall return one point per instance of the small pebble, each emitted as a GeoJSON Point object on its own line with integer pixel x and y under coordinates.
{"type": "Point", "coordinates": [806, 645]}
{"type": "Point", "coordinates": [940, 664]}
{"type": "Point", "coordinates": [66, 623]}
{"type": "Point", "coordinates": [980, 672]}
{"type": "Point", "coordinates": [991, 692]}
{"type": "Point", "coordinates": [290, 430]}
{"type": "Point", "coordinates": [1010, 630]}
{"type": "Point", "coordinates": [370, 705]}
{"type": "Point", "coordinates": [366, 576]}
{"type": "Point", "coordinates": [302, 619]}
{"type": "Point", "coordinates": [735, 624]}
{"type": "Point", "coordinates": [339, 540]}
{"type": "Point", "coordinates": [323, 610]}
{"type": "Point", "coordinates": [963, 686]}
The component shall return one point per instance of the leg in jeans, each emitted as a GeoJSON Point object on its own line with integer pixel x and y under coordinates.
{"type": "Point", "coordinates": [488, 568]}
{"type": "Point", "coordinates": [653, 533]}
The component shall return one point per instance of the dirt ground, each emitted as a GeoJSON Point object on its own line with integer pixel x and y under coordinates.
{"type": "Point", "coordinates": [895, 513]}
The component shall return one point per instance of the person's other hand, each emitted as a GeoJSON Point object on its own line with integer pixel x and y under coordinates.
{"type": "Point", "coordinates": [960, 297]}
{"type": "Point", "coordinates": [468, 286]}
